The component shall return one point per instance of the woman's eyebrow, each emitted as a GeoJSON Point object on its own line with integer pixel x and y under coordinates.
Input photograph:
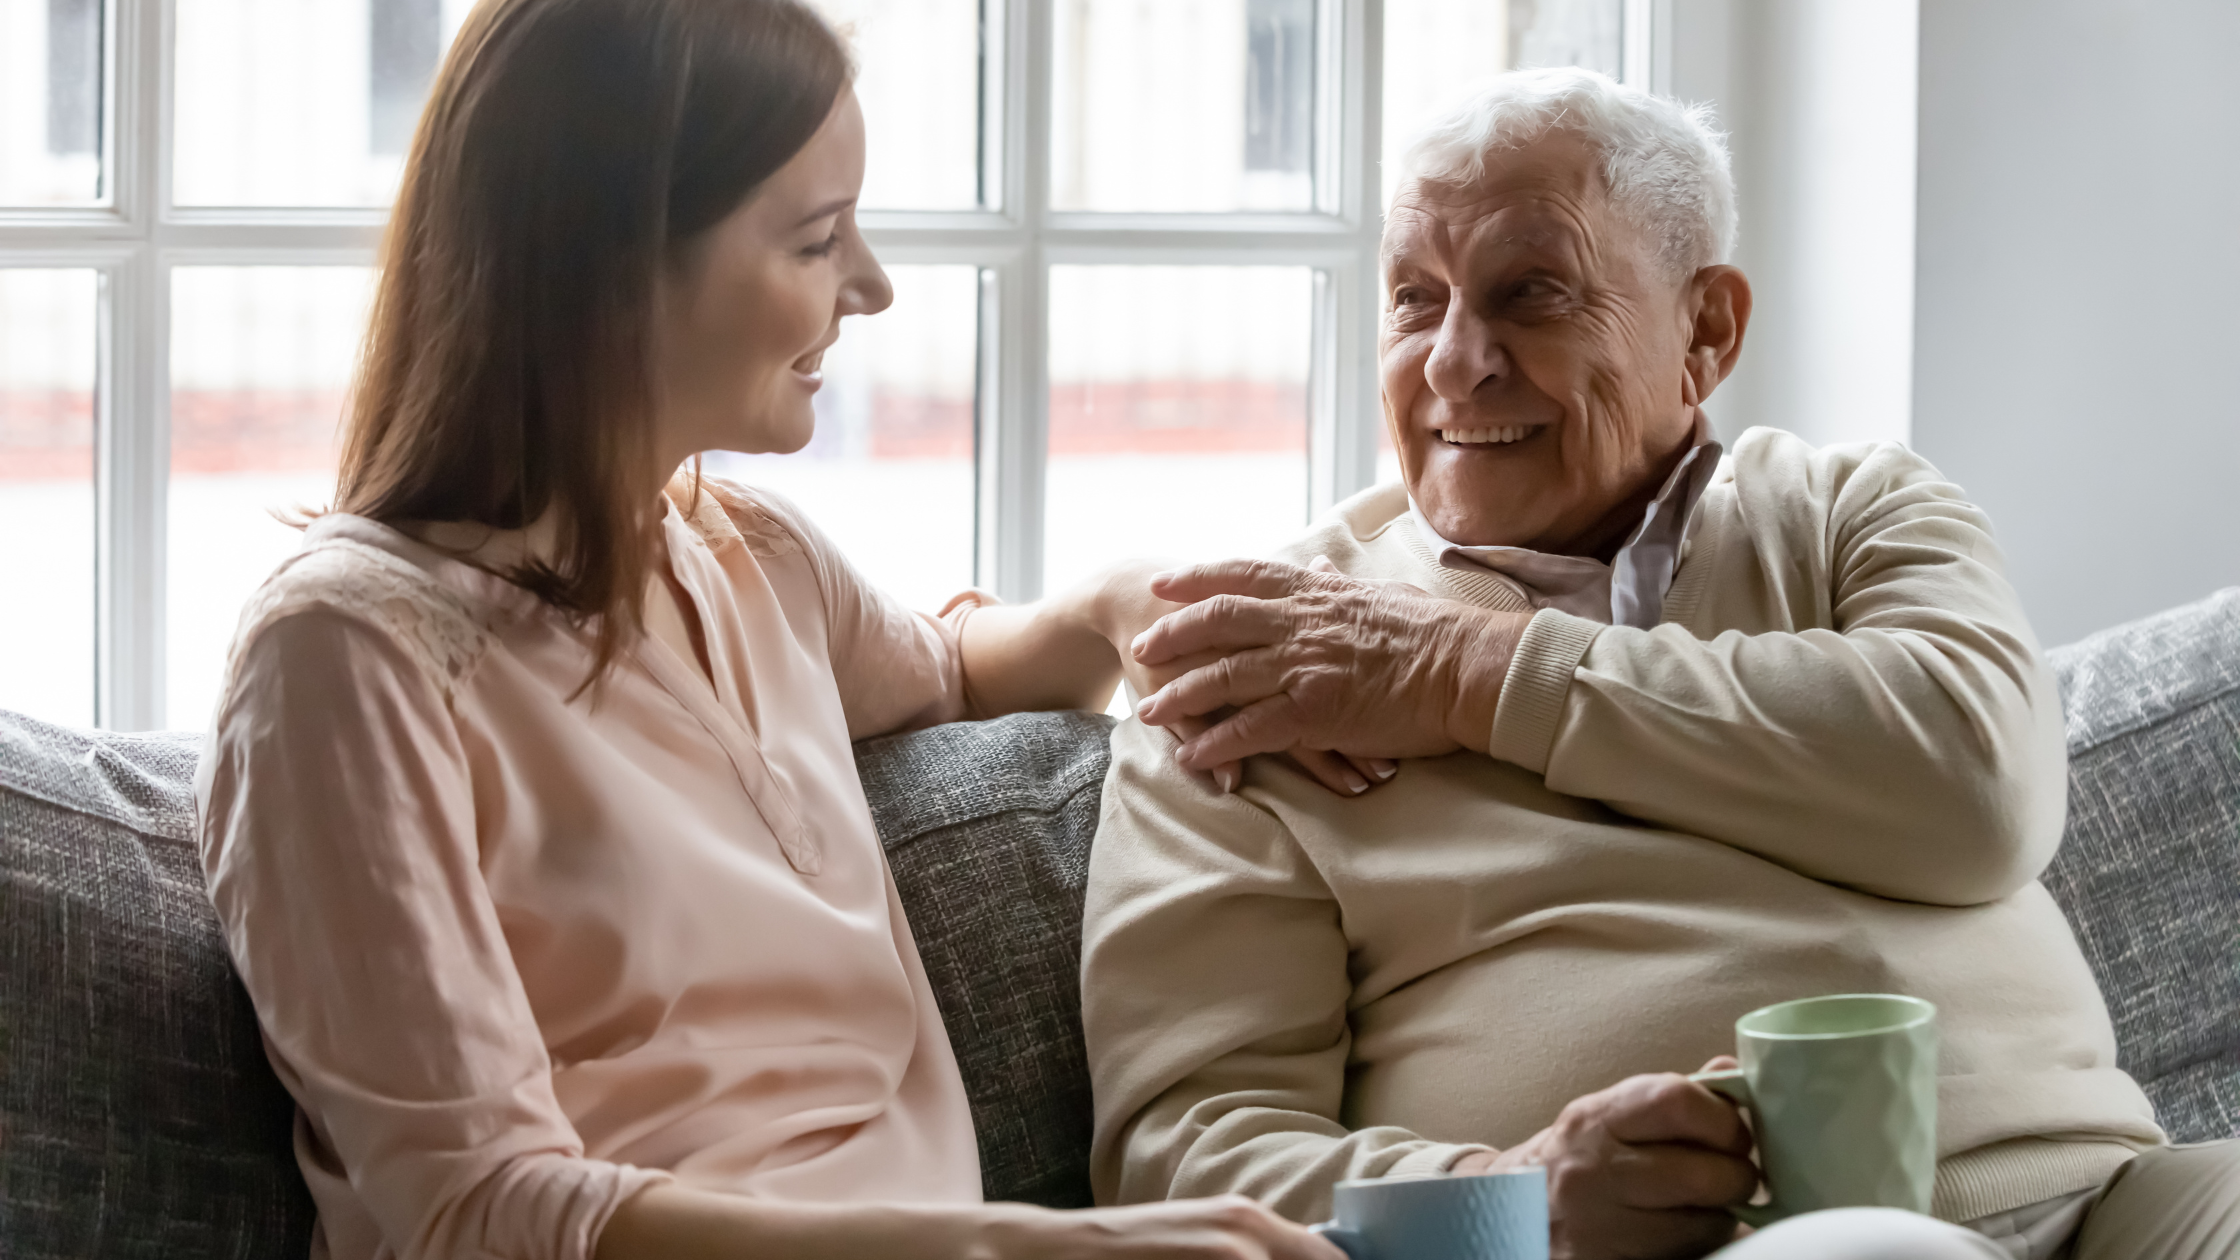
{"type": "Point", "coordinates": [825, 211]}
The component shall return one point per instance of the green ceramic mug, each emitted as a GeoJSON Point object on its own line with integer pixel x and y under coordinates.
{"type": "Point", "coordinates": [1842, 1092]}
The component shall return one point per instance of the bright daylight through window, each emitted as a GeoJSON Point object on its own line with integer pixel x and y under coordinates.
{"type": "Point", "coordinates": [1132, 244]}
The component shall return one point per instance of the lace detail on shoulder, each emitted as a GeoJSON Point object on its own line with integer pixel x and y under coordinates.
{"type": "Point", "coordinates": [728, 513]}
{"type": "Point", "coordinates": [433, 624]}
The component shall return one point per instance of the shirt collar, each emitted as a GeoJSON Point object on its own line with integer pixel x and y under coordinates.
{"type": "Point", "coordinates": [1628, 591]}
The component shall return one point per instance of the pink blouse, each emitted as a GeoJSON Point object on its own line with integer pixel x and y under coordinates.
{"type": "Point", "coordinates": [518, 955]}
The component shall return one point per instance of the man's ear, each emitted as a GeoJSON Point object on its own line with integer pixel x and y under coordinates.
{"type": "Point", "coordinates": [1721, 300]}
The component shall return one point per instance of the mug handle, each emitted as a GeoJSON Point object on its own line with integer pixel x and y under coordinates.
{"type": "Point", "coordinates": [1731, 1085]}
{"type": "Point", "coordinates": [1349, 1241]}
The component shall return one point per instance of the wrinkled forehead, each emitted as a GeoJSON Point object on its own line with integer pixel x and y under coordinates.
{"type": "Point", "coordinates": [1548, 194]}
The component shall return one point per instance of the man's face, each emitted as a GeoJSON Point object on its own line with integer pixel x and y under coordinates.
{"type": "Point", "coordinates": [1534, 354]}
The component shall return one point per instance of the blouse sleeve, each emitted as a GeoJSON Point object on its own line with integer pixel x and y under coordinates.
{"type": "Point", "coordinates": [339, 842]}
{"type": "Point", "coordinates": [897, 670]}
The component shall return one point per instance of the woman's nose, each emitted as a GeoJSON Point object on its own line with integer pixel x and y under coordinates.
{"type": "Point", "coordinates": [867, 290]}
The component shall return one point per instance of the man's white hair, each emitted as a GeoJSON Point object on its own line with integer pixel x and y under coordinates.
{"type": "Point", "coordinates": [1664, 163]}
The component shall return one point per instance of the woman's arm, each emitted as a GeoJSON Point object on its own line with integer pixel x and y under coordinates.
{"type": "Point", "coordinates": [1066, 652]}
{"type": "Point", "coordinates": [1062, 652]}
{"type": "Point", "coordinates": [339, 845]}
{"type": "Point", "coordinates": [677, 1223]}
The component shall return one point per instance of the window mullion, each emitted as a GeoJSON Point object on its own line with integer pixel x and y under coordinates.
{"type": "Point", "coordinates": [1645, 44]}
{"type": "Point", "coordinates": [1345, 448]}
{"type": "Point", "coordinates": [133, 408]}
{"type": "Point", "coordinates": [131, 386]}
{"type": "Point", "coordinates": [1014, 446]}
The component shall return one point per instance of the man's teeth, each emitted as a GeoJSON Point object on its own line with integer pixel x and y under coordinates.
{"type": "Point", "coordinates": [1488, 437]}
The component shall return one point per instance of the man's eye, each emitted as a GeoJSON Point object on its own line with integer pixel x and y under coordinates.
{"type": "Point", "coordinates": [1408, 297]}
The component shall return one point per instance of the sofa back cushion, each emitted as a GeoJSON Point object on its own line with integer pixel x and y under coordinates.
{"type": "Point", "coordinates": [2149, 870]}
{"type": "Point", "coordinates": [138, 1116]}
{"type": "Point", "coordinates": [987, 826]}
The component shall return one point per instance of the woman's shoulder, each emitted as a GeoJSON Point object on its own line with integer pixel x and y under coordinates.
{"type": "Point", "coordinates": [356, 573]}
{"type": "Point", "coordinates": [725, 512]}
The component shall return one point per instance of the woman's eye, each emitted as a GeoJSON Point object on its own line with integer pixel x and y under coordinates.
{"type": "Point", "coordinates": [823, 247]}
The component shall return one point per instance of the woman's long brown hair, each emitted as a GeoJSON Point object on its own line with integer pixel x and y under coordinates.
{"type": "Point", "coordinates": [570, 151]}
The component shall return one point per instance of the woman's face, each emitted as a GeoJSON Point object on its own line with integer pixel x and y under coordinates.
{"type": "Point", "coordinates": [749, 310]}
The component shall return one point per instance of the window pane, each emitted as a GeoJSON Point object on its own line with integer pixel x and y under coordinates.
{"type": "Point", "coordinates": [260, 357]}
{"type": "Point", "coordinates": [301, 102]}
{"type": "Point", "coordinates": [313, 102]}
{"type": "Point", "coordinates": [1199, 105]}
{"type": "Point", "coordinates": [1434, 49]}
{"type": "Point", "coordinates": [47, 333]}
{"type": "Point", "coordinates": [919, 82]}
{"type": "Point", "coordinates": [1178, 414]}
{"type": "Point", "coordinates": [50, 102]}
{"type": "Point", "coordinates": [889, 474]}
{"type": "Point", "coordinates": [1388, 456]}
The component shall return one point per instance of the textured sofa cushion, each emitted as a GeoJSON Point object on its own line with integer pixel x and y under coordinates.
{"type": "Point", "coordinates": [987, 826]}
{"type": "Point", "coordinates": [138, 1116]}
{"type": "Point", "coordinates": [2149, 871]}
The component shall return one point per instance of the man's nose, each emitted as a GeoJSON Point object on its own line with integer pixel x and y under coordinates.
{"type": "Point", "coordinates": [1467, 354]}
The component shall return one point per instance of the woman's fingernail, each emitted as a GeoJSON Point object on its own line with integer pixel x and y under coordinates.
{"type": "Point", "coordinates": [1143, 706]}
{"type": "Point", "coordinates": [1135, 645]}
{"type": "Point", "coordinates": [1385, 769]}
{"type": "Point", "coordinates": [1355, 783]}
{"type": "Point", "coordinates": [1228, 780]}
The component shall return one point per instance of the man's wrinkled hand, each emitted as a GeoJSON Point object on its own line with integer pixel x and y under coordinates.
{"type": "Point", "coordinates": [1124, 607]}
{"type": "Point", "coordinates": [1644, 1170]}
{"type": "Point", "coordinates": [1315, 659]}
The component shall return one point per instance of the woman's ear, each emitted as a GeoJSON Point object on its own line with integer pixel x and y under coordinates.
{"type": "Point", "coordinates": [1721, 298]}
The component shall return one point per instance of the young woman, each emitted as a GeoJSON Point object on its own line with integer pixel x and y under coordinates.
{"type": "Point", "coordinates": [529, 809]}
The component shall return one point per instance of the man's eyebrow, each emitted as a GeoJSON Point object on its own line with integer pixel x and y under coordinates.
{"type": "Point", "coordinates": [825, 211]}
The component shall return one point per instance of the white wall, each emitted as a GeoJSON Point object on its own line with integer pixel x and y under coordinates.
{"type": "Point", "coordinates": [2079, 260]}
{"type": "Point", "coordinates": [1818, 98]}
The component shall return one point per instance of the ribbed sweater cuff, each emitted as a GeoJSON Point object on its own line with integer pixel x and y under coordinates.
{"type": "Point", "coordinates": [1531, 703]}
{"type": "Point", "coordinates": [1433, 1160]}
{"type": "Point", "coordinates": [2016, 1173]}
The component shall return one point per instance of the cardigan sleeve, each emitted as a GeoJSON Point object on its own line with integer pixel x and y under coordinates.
{"type": "Point", "coordinates": [1901, 735]}
{"type": "Point", "coordinates": [339, 844]}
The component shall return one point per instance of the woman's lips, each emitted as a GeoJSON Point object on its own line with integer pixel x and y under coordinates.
{"type": "Point", "coordinates": [810, 370]}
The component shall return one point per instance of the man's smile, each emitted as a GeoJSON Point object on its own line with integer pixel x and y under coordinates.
{"type": "Point", "coordinates": [1499, 435]}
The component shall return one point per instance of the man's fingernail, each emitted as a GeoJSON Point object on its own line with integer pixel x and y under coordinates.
{"type": "Point", "coordinates": [1162, 575]}
{"type": "Point", "coordinates": [1143, 706]}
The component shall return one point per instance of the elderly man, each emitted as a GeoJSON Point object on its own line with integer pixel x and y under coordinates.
{"type": "Point", "coordinates": [1693, 736]}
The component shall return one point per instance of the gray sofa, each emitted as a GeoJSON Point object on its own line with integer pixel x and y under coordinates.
{"type": "Point", "coordinates": [138, 1116]}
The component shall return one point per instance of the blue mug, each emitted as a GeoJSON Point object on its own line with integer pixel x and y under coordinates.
{"type": "Point", "coordinates": [1492, 1216]}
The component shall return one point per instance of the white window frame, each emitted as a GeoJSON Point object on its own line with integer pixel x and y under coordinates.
{"type": "Point", "coordinates": [136, 237]}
